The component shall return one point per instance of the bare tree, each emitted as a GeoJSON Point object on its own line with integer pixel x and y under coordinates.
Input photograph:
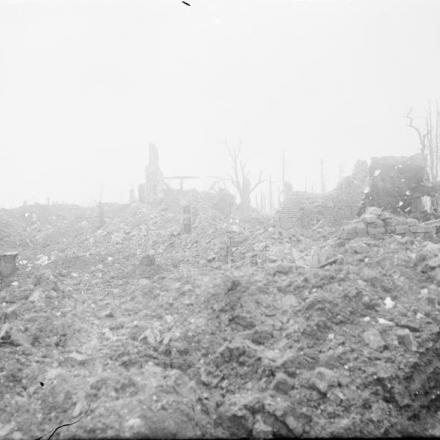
{"type": "Point", "coordinates": [429, 137]}
{"type": "Point", "coordinates": [240, 177]}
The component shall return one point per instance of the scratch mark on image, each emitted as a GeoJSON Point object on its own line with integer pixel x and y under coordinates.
{"type": "Point", "coordinates": [56, 429]}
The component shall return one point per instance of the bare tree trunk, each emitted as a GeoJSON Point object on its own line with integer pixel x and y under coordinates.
{"type": "Point", "coordinates": [270, 196]}
{"type": "Point", "coordinates": [240, 179]}
{"type": "Point", "coordinates": [322, 176]}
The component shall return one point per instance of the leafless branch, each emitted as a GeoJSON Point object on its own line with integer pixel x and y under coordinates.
{"type": "Point", "coordinates": [422, 137]}
{"type": "Point", "coordinates": [259, 182]}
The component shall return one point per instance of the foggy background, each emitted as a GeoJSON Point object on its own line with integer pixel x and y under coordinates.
{"type": "Point", "coordinates": [86, 85]}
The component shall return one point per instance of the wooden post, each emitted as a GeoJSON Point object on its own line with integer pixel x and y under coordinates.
{"type": "Point", "coordinates": [270, 196]}
{"type": "Point", "coordinates": [186, 211]}
{"type": "Point", "coordinates": [101, 216]}
{"type": "Point", "coordinates": [8, 264]}
{"type": "Point", "coordinates": [283, 169]}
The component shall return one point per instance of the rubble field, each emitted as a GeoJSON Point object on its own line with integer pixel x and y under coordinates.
{"type": "Point", "coordinates": [238, 329]}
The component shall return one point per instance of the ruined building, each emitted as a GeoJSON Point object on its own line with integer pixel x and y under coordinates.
{"type": "Point", "coordinates": [400, 185]}
{"type": "Point", "coordinates": [154, 186]}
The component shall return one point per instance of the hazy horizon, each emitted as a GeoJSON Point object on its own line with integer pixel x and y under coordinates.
{"type": "Point", "coordinates": [85, 86]}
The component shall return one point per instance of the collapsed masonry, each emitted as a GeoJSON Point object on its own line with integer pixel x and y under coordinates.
{"type": "Point", "coordinates": [397, 185]}
{"type": "Point", "coordinates": [376, 222]}
{"type": "Point", "coordinates": [401, 186]}
{"type": "Point", "coordinates": [302, 209]}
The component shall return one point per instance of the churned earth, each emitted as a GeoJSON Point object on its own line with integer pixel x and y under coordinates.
{"type": "Point", "coordinates": [133, 329]}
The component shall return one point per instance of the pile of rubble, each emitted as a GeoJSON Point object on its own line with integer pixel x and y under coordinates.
{"type": "Point", "coordinates": [378, 223]}
{"type": "Point", "coordinates": [237, 329]}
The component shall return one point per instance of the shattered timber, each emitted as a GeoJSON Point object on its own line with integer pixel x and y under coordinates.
{"type": "Point", "coordinates": [178, 316]}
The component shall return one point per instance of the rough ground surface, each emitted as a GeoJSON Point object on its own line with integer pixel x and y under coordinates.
{"type": "Point", "coordinates": [136, 330]}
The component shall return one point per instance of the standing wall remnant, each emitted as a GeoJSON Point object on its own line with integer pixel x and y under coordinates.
{"type": "Point", "coordinates": [154, 181]}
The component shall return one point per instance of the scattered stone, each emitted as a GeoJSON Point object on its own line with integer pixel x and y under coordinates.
{"type": "Point", "coordinates": [374, 211]}
{"type": "Point", "coordinates": [358, 248]}
{"type": "Point", "coordinates": [36, 295]}
{"type": "Point", "coordinates": [147, 260]}
{"type": "Point", "coordinates": [373, 338]}
{"type": "Point", "coordinates": [6, 429]}
{"type": "Point", "coordinates": [294, 426]}
{"type": "Point", "coordinates": [261, 430]}
{"type": "Point", "coordinates": [317, 258]}
{"type": "Point", "coordinates": [261, 336]}
{"type": "Point", "coordinates": [4, 331]}
{"type": "Point", "coordinates": [282, 383]}
{"type": "Point", "coordinates": [46, 281]}
{"type": "Point", "coordinates": [389, 303]}
{"type": "Point", "coordinates": [148, 337]}
{"type": "Point", "coordinates": [405, 338]}
{"type": "Point", "coordinates": [385, 322]}
{"type": "Point", "coordinates": [433, 263]}
{"type": "Point", "coordinates": [144, 282]}
{"type": "Point", "coordinates": [42, 260]}
{"type": "Point", "coordinates": [283, 269]}
{"type": "Point", "coordinates": [432, 301]}
{"type": "Point", "coordinates": [237, 421]}
{"type": "Point", "coordinates": [243, 321]}
{"type": "Point", "coordinates": [13, 336]}
{"type": "Point", "coordinates": [371, 219]}
{"type": "Point", "coordinates": [9, 314]}
{"type": "Point", "coordinates": [323, 378]}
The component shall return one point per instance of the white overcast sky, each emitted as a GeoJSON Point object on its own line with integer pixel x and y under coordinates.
{"type": "Point", "coordinates": [86, 85]}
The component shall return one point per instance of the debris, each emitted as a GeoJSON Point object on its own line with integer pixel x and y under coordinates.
{"type": "Point", "coordinates": [384, 322]}
{"type": "Point", "coordinates": [329, 262]}
{"type": "Point", "coordinates": [294, 426]}
{"type": "Point", "coordinates": [42, 260]}
{"type": "Point", "coordinates": [283, 269]}
{"type": "Point", "coordinates": [8, 264]}
{"type": "Point", "coordinates": [6, 429]}
{"type": "Point", "coordinates": [282, 383]}
{"type": "Point", "coordinates": [261, 430]}
{"type": "Point", "coordinates": [323, 378]}
{"type": "Point", "coordinates": [149, 336]}
{"type": "Point", "coordinates": [389, 303]}
{"type": "Point", "coordinates": [147, 260]}
{"type": "Point", "coordinates": [36, 295]}
{"type": "Point", "coordinates": [405, 338]}
{"type": "Point", "coordinates": [373, 338]}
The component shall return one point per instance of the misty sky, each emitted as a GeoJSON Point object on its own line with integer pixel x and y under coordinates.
{"type": "Point", "coordinates": [86, 85]}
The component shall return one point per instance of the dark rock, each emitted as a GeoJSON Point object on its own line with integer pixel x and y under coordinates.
{"type": "Point", "coordinates": [295, 426]}
{"type": "Point", "coordinates": [243, 321]}
{"type": "Point", "coordinates": [405, 338]}
{"type": "Point", "coordinates": [282, 383]}
{"type": "Point", "coordinates": [8, 264]}
{"type": "Point", "coordinates": [323, 378]}
{"type": "Point", "coordinates": [279, 427]}
{"type": "Point", "coordinates": [261, 430]}
{"type": "Point", "coordinates": [237, 422]}
{"type": "Point", "coordinates": [260, 336]}
{"type": "Point", "coordinates": [147, 260]}
{"type": "Point", "coordinates": [283, 269]}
